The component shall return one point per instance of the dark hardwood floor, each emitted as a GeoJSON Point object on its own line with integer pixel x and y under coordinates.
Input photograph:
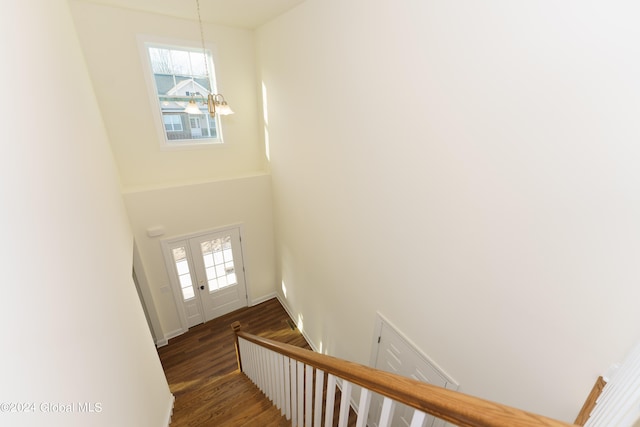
{"type": "Point", "coordinates": [203, 375]}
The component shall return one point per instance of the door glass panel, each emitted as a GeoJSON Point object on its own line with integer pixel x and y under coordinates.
{"type": "Point", "coordinates": [218, 260]}
{"type": "Point", "coordinates": [182, 266]}
{"type": "Point", "coordinates": [187, 286]}
{"type": "Point", "coordinates": [220, 271]}
{"type": "Point", "coordinates": [184, 275]}
{"type": "Point", "coordinates": [208, 260]}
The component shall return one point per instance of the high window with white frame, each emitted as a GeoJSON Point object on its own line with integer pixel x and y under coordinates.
{"type": "Point", "coordinates": [179, 74]}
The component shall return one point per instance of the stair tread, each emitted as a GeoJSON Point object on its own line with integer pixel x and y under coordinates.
{"type": "Point", "coordinates": [203, 375]}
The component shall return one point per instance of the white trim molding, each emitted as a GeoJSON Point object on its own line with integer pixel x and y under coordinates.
{"type": "Point", "coordinates": [164, 341]}
{"type": "Point", "coordinates": [293, 317]}
{"type": "Point", "coordinates": [172, 403]}
{"type": "Point", "coordinates": [264, 299]}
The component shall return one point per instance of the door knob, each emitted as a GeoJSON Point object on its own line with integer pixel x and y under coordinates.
{"type": "Point", "coordinates": [202, 287]}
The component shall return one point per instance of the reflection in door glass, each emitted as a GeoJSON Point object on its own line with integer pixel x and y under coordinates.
{"type": "Point", "coordinates": [218, 263]}
{"type": "Point", "coordinates": [184, 276]}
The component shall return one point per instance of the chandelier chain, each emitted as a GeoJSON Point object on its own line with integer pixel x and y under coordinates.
{"type": "Point", "coordinates": [204, 52]}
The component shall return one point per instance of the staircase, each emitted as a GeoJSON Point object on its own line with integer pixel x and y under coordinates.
{"type": "Point", "coordinates": [302, 384]}
{"type": "Point", "coordinates": [240, 403]}
{"type": "Point", "coordinates": [283, 383]}
{"type": "Point", "coordinates": [202, 370]}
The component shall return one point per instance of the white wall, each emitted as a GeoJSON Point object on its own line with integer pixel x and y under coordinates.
{"type": "Point", "coordinates": [184, 210]}
{"type": "Point", "coordinates": [190, 190]}
{"type": "Point", "coordinates": [470, 170]}
{"type": "Point", "coordinates": [109, 38]}
{"type": "Point", "coordinates": [72, 327]}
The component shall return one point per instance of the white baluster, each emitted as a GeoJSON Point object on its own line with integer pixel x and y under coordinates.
{"type": "Point", "coordinates": [300, 388]}
{"type": "Point", "coordinates": [287, 387]}
{"type": "Point", "coordinates": [363, 407]}
{"type": "Point", "coordinates": [418, 418]}
{"type": "Point", "coordinates": [308, 396]}
{"type": "Point", "coordinates": [251, 368]}
{"type": "Point", "coordinates": [255, 363]}
{"type": "Point", "coordinates": [256, 366]}
{"type": "Point", "coordinates": [243, 353]}
{"type": "Point", "coordinates": [267, 374]}
{"type": "Point", "coordinates": [289, 384]}
{"type": "Point", "coordinates": [331, 398]}
{"type": "Point", "coordinates": [274, 378]}
{"type": "Point", "coordinates": [625, 401]}
{"type": "Point", "coordinates": [620, 394]}
{"type": "Point", "coordinates": [251, 362]}
{"type": "Point", "coordinates": [281, 380]}
{"type": "Point", "coordinates": [317, 421]}
{"type": "Point", "coordinates": [263, 370]}
{"type": "Point", "coordinates": [246, 358]}
{"type": "Point", "coordinates": [294, 393]}
{"type": "Point", "coordinates": [241, 345]}
{"type": "Point", "coordinates": [345, 403]}
{"type": "Point", "coordinates": [387, 413]}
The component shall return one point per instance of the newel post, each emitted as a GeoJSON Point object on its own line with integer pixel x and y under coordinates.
{"type": "Point", "coordinates": [236, 328]}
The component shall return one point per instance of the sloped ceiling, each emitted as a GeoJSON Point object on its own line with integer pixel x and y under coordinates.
{"type": "Point", "coordinates": [236, 13]}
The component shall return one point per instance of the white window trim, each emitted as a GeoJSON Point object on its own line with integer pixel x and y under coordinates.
{"type": "Point", "coordinates": [183, 144]}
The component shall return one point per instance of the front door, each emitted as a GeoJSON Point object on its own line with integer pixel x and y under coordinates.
{"type": "Point", "coordinates": [207, 274]}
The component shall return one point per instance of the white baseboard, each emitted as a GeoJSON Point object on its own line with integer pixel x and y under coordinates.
{"type": "Point", "coordinates": [172, 402]}
{"type": "Point", "coordinates": [263, 299]}
{"type": "Point", "coordinates": [164, 341]}
{"type": "Point", "coordinates": [284, 304]}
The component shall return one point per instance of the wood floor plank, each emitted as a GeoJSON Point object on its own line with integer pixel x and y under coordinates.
{"type": "Point", "coordinates": [203, 375]}
{"type": "Point", "coordinates": [202, 371]}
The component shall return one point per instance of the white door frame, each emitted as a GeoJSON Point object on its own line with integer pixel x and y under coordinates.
{"type": "Point", "coordinates": [173, 279]}
{"type": "Point", "coordinates": [411, 354]}
{"type": "Point", "coordinates": [147, 297]}
{"type": "Point", "coordinates": [381, 322]}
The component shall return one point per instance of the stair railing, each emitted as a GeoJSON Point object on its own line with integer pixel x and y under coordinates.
{"type": "Point", "coordinates": [302, 384]}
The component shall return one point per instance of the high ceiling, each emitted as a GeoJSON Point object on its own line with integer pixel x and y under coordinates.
{"type": "Point", "coordinates": [237, 13]}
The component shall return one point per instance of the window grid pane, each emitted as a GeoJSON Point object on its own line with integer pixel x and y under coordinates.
{"type": "Point", "coordinates": [218, 259]}
{"type": "Point", "coordinates": [184, 275]}
{"type": "Point", "coordinates": [178, 74]}
{"type": "Point", "coordinates": [208, 260]}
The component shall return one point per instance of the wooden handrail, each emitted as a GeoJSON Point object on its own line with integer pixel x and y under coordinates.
{"type": "Point", "coordinates": [452, 406]}
{"type": "Point", "coordinates": [590, 403]}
